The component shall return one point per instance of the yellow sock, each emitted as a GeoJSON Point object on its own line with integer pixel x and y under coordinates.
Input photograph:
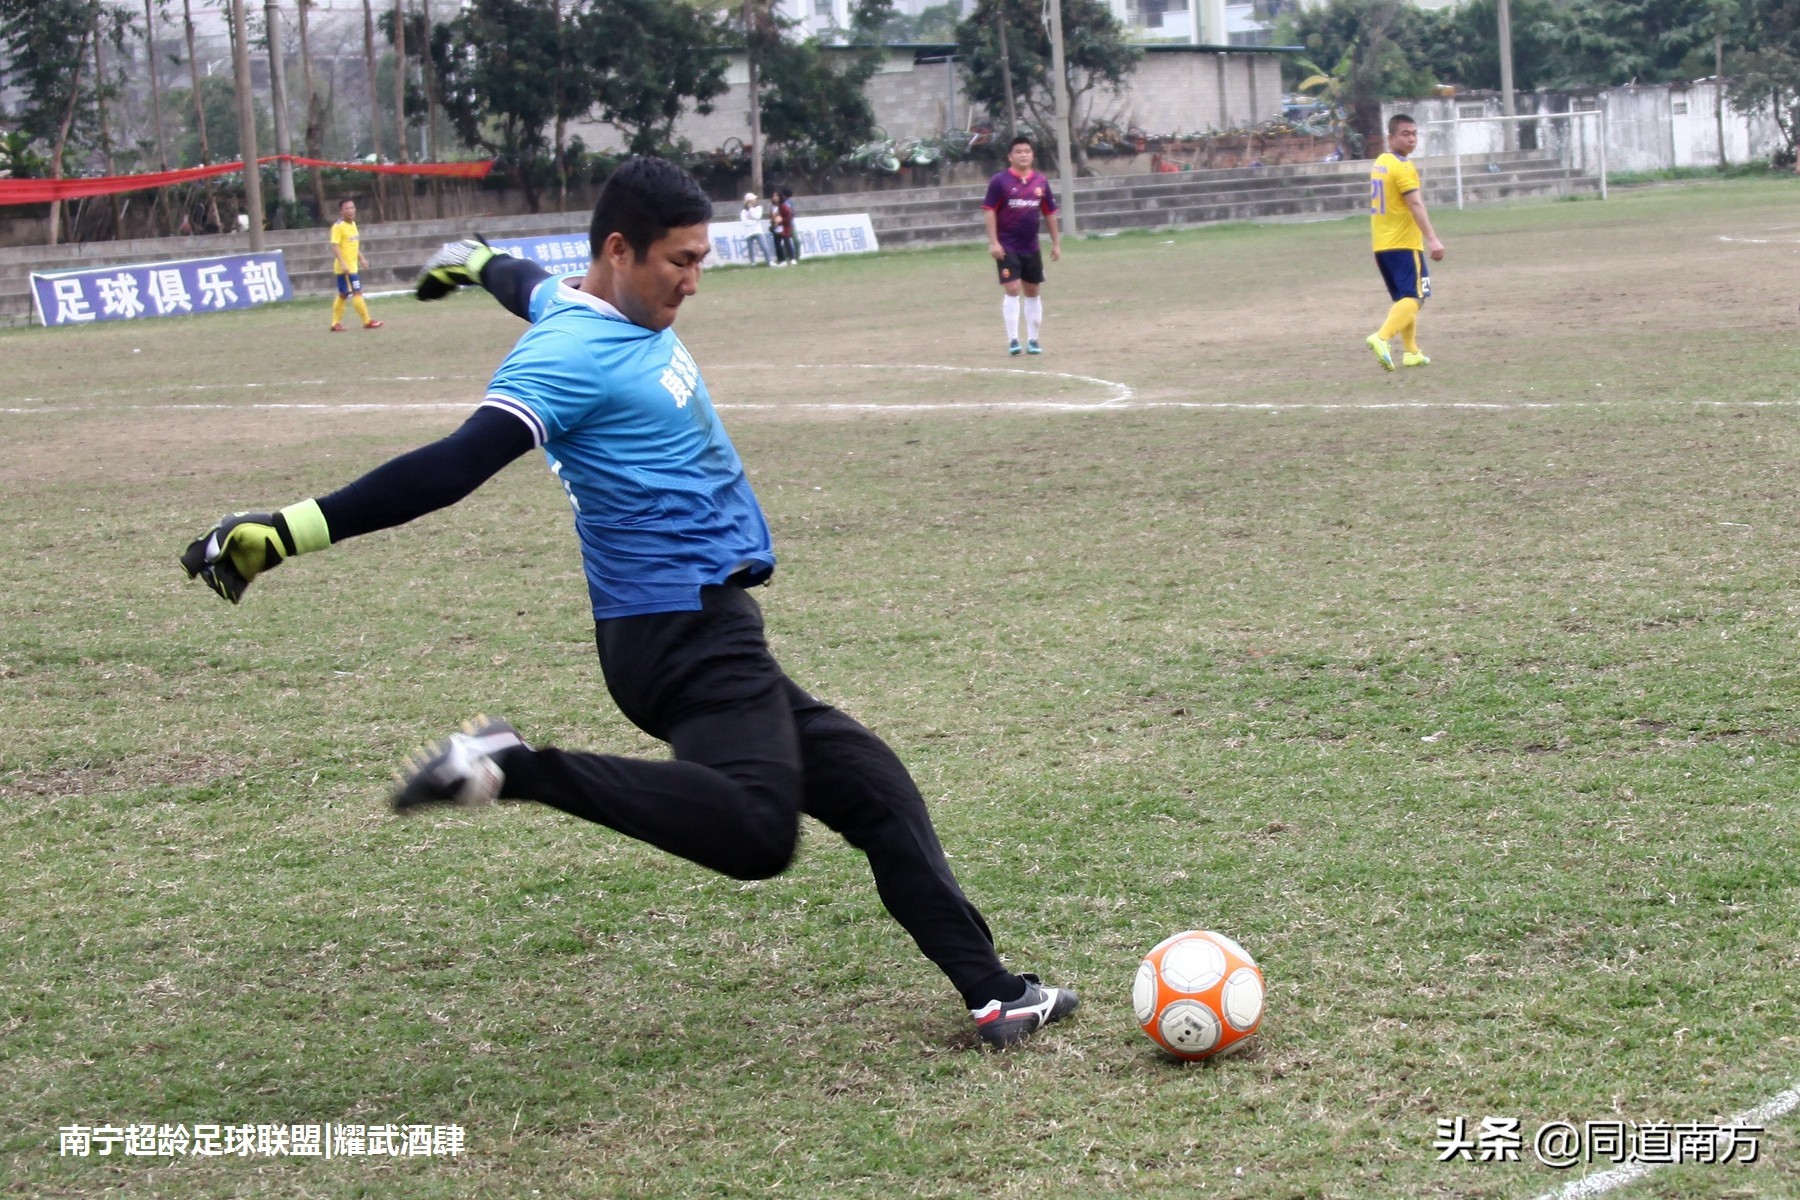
{"type": "Point", "coordinates": [337, 311]}
{"type": "Point", "coordinates": [362, 309]}
{"type": "Point", "coordinates": [1409, 333]}
{"type": "Point", "coordinates": [1399, 316]}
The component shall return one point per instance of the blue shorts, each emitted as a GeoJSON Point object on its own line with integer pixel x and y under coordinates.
{"type": "Point", "coordinates": [349, 283]}
{"type": "Point", "coordinates": [1406, 274]}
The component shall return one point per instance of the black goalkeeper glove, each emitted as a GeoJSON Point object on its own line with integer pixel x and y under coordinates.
{"type": "Point", "coordinates": [455, 265]}
{"type": "Point", "coordinates": [242, 546]}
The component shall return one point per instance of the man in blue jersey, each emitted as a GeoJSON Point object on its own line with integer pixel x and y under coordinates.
{"type": "Point", "coordinates": [672, 539]}
{"type": "Point", "coordinates": [1015, 200]}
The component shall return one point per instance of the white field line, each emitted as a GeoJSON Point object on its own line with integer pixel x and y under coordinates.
{"type": "Point", "coordinates": [1124, 397]}
{"type": "Point", "coordinates": [1598, 1185]}
{"type": "Point", "coordinates": [948, 406]}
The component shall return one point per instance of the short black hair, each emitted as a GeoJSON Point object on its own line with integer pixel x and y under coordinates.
{"type": "Point", "coordinates": [1399, 119]}
{"type": "Point", "coordinates": [643, 199]}
{"type": "Point", "coordinates": [1021, 140]}
{"type": "Point", "coordinates": [344, 201]}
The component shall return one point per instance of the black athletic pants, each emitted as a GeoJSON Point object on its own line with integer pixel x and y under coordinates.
{"type": "Point", "coordinates": [752, 752]}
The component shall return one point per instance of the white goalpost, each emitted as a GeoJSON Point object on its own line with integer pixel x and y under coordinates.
{"type": "Point", "coordinates": [1574, 146]}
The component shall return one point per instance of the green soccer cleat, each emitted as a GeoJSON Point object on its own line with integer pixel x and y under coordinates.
{"type": "Point", "coordinates": [1383, 355]}
{"type": "Point", "coordinates": [1031, 347]}
{"type": "Point", "coordinates": [1413, 358]}
{"type": "Point", "coordinates": [1013, 348]}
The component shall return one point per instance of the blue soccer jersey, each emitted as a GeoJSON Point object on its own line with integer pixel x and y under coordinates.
{"type": "Point", "coordinates": [662, 506]}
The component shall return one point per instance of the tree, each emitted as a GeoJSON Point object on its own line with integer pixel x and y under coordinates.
{"type": "Point", "coordinates": [1357, 56]}
{"type": "Point", "coordinates": [46, 45]}
{"type": "Point", "coordinates": [315, 111]}
{"type": "Point", "coordinates": [1637, 41]}
{"type": "Point", "coordinates": [934, 24]}
{"type": "Point", "coordinates": [45, 48]}
{"type": "Point", "coordinates": [655, 59]}
{"type": "Point", "coordinates": [492, 62]}
{"type": "Point", "coordinates": [1765, 73]}
{"type": "Point", "coordinates": [1097, 58]}
{"type": "Point", "coordinates": [815, 112]}
{"type": "Point", "coordinates": [218, 109]}
{"type": "Point", "coordinates": [1461, 45]}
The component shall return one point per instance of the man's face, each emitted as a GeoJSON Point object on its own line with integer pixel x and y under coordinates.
{"type": "Point", "coordinates": [1021, 157]}
{"type": "Point", "coordinates": [650, 293]}
{"type": "Point", "coordinates": [1404, 140]}
{"type": "Point", "coordinates": [347, 211]}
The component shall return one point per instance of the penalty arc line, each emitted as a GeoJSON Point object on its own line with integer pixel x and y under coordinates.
{"type": "Point", "coordinates": [1122, 393]}
{"type": "Point", "coordinates": [1598, 1185]}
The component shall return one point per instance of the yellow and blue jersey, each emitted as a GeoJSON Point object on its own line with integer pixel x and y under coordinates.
{"type": "Point", "coordinates": [662, 504]}
{"type": "Point", "coordinates": [1391, 223]}
{"type": "Point", "coordinates": [347, 240]}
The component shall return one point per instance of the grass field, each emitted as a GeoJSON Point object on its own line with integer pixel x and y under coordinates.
{"type": "Point", "coordinates": [1464, 697]}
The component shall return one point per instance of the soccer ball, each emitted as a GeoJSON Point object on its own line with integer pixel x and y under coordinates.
{"type": "Point", "coordinates": [1198, 994]}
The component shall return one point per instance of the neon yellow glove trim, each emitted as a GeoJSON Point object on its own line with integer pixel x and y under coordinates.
{"type": "Point", "coordinates": [306, 525]}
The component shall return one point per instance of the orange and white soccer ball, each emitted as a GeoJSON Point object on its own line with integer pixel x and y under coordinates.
{"type": "Point", "coordinates": [1198, 994]}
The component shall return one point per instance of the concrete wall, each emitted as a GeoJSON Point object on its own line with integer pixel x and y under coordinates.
{"type": "Point", "coordinates": [1647, 128]}
{"type": "Point", "coordinates": [1183, 91]}
{"type": "Point", "coordinates": [1176, 90]}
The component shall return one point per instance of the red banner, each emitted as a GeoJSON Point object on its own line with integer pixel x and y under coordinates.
{"type": "Point", "coordinates": [40, 191]}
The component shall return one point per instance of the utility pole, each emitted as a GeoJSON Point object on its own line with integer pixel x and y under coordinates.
{"type": "Point", "coordinates": [1719, 94]}
{"type": "Point", "coordinates": [374, 107]}
{"type": "Point", "coordinates": [314, 127]}
{"type": "Point", "coordinates": [164, 202]}
{"type": "Point", "coordinates": [162, 155]}
{"type": "Point", "coordinates": [284, 143]}
{"type": "Point", "coordinates": [1506, 75]}
{"type": "Point", "coordinates": [246, 105]}
{"type": "Point", "coordinates": [751, 33]}
{"type": "Point", "coordinates": [1059, 83]}
{"type": "Point", "coordinates": [428, 78]}
{"type": "Point", "coordinates": [105, 125]}
{"type": "Point", "coordinates": [401, 155]}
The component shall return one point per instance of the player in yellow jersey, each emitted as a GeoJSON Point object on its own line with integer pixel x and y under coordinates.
{"type": "Point", "coordinates": [1402, 234]}
{"type": "Point", "coordinates": [346, 267]}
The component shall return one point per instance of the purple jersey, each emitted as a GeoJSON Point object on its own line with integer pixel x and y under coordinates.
{"type": "Point", "coordinates": [1016, 204]}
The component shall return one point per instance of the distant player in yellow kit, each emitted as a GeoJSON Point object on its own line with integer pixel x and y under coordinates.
{"type": "Point", "coordinates": [1402, 234]}
{"type": "Point", "coordinates": [348, 261]}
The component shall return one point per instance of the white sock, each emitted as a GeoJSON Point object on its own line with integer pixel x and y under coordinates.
{"type": "Point", "coordinates": [1009, 309]}
{"type": "Point", "coordinates": [1034, 316]}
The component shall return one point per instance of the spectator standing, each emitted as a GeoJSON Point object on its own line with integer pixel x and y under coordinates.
{"type": "Point", "coordinates": [781, 224]}
{"type": "Point", "coordinates": [756, 234]}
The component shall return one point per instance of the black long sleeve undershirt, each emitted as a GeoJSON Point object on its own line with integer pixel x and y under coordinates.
{"type": "Point", "coordinates": [511, 281]}
{"type": "Point", "coordinates": [427, 479]}
{"type": "Point", "coordinates": [444, 472]}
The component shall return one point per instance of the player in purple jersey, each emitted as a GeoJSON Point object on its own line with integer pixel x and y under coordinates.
{"type": "Point", "coordinates": [1016, 198]}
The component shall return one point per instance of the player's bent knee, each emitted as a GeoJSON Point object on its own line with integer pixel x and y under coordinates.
{"type": "Point", "coordinates": [765, 853]}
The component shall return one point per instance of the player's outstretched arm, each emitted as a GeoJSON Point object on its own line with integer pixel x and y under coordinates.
{"type": "Point", "coordinates": [244, 545]}
{"type": "Point", "coordinates": [229, 556]}
{"type": "Point", "coordinates": [473, 263]}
